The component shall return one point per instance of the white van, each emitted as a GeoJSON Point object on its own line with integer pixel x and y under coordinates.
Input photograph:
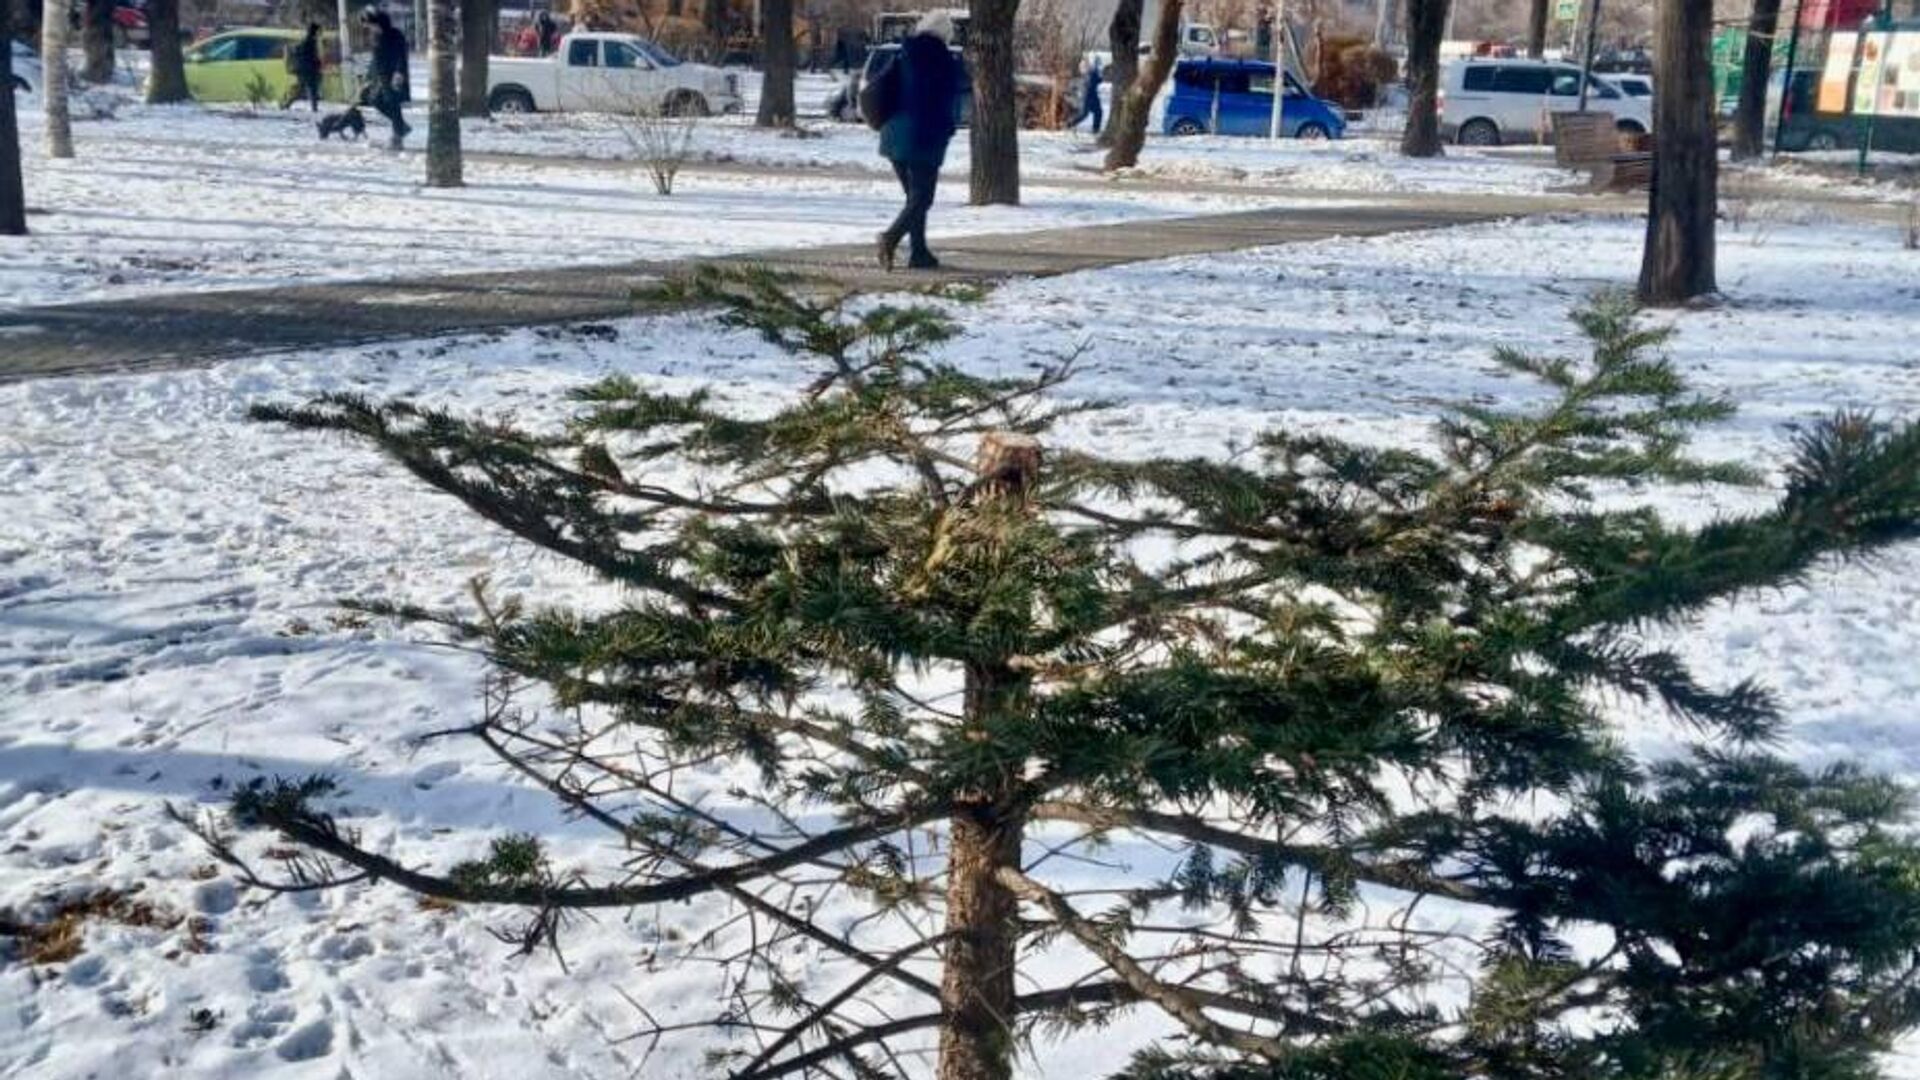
{"type": "Point", "coordinates": [1495, 102]}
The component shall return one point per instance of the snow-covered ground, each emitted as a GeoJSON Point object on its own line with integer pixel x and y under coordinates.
{"type": "Point", "coordinates": [168, 199]}
{"type": "Point", "coordinates": [168, 628]}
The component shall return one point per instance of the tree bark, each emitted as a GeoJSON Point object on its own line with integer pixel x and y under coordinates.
{"type": "Point", "coordinates": [1123, 40]}
{"type": "Point", "coordinates": [1132, 110]}
{"type": "Point", "coordinates": [479, 27]}
{"type": "Point", "coordinates": [53, 59]}
{"type": "Point", "coordinates": [13, 193]}
{"type": "Point", "coordinates": [1426, 25]}
{"type": "Point", "coordinates": [167, 77]}
{"type": "Point", "coordinates": [976, 983]}
{"type": "Point", "coordinates": [1678, 263]}
{"type": "Point", "coordinates": [1537, 29]}
{"type": "Point", "coordinates": [776, 88]}
{"type": "Point", "coordinates": [96, 37]}
{"type": "Point", "coordinates": [443, 95]}
{"type": "Point", "coordinates": [995, 134]}
{"type": "Point", "coordinates": [1750, 122]}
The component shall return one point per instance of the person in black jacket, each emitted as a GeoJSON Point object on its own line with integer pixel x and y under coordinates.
{"type": "Point", "coordinates": [924, 92]}
{"type": "Point", "coordinates": [387, 74]}
{"type": "Point", "coordinates": [303, 63]}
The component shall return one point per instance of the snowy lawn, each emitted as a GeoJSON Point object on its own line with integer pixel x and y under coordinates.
{"type": "Point", "coordinates": [149, 205]}
{"type": "Point", "coordinates": [168, 628]}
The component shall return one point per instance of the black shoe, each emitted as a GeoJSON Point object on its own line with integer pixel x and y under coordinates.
{"type": "Point", "coordinates": [884, 248]}
{"type": "Point", "coordinates": [923, 261]}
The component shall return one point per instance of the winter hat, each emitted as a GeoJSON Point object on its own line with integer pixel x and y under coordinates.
{"type": "Point", "coordinates": [937, 23]}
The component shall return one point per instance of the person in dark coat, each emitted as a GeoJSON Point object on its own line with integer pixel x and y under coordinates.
{"type": "Point", "coordinates": [303, 63]}
{"type": "Point", "coordinates": [1090, 108]}
{"type": "Point", "coordinates": [387, 73]}
{"type": "Point", "coordinates": [926, 96]}
{"type": "Point", "coordinates": [547, 32]}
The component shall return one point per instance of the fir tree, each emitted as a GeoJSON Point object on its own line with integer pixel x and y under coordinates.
{"type": "Point", "coordinates": [1351, 684]}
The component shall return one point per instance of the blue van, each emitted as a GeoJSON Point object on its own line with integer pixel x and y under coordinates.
{"type": "Point", "coordinates": [1235, 97]}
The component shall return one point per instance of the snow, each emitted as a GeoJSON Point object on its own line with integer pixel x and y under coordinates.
{"type": "Point", "coordinates": [169, 621]}
{"type": "Point", "coordinates": [174, 198]}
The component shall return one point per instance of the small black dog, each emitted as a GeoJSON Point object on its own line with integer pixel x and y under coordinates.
{"type": "Point", "coordinates": [348, 125]}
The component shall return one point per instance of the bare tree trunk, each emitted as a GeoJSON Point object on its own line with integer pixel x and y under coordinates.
{"type": "Point", "coordinates": [976, 983]}
{"type": "Point", "coordinates": [995, 134]}
{"type": "Point", "coordinates": [1132, 110]}
{"type": "Point", "coordinates": [1426, 25]}
{"type": "Point", "coordinates": [1537, 29]}
{"type": "Point", "coordinates": [443, 95]}
{"type": "Point", "coordinates": [13, 193]}
{"type": "Point", "coordinates": [167, 77]}
{"type": "Point", "coordinates": [479, 27]}
{"type": "Point", "coordinates": [1123, 40]}
{"type": "Point", "coordinates": [53, 58]}
{"type": "Point", "coordinates": [96, 36]}
{"type": "Point", "coordinates": [776, 88]}
{"type": "Point", "coordinates": [1678, 264]}
{"type": "Point", "coordinates": [1750, 122]}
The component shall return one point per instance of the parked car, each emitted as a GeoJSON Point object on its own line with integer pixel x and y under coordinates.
{"type": "Point", "coordinates": [235, 65]}
{"type": "Point", "coordinates": [1491, 102]}
{"type": "Point", "coordinates": [1235, 97]}
{"type": "Point", "coordinates": [594, 72]}
{"type": "Point", "coordinates": [1635, 86]}
{"type": "Point", "coordinates": [1617, 61]}
{"type": "Point", "coordinates": [28, 75]}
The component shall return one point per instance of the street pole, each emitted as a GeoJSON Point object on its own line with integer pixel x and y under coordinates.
{"type": "Point", "coordinates": [1593, 38]}
{"type": "Point", "coordinates": [1786, 83]}
{"type": "Point", "coordinates": [346, 54]}
{"type": "Point", "coordinates": [1279, 68]}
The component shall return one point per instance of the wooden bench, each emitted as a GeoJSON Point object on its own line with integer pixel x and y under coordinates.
{"type": "Point", "coordinates": [1613, 160]}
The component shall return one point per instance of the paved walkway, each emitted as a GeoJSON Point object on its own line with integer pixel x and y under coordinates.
{"type": "Point", "coordinates": [190, 328]}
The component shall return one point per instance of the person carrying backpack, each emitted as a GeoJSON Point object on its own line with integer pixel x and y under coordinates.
{"type": "Point", "coordinates": [915, 103]}
{"type": "Point", "coordinates": [303, 63]}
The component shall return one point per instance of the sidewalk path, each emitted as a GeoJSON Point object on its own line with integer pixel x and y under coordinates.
{"type": "Point", "coordinates": [199, 327]}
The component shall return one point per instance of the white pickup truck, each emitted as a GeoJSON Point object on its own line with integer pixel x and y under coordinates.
{"type": "Point", "coordinates": [592, 72]}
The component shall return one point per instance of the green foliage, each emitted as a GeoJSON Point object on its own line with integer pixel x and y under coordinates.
{"type": "Point", "coordinates": [259, 91]}
{"type": "Point", "coordinates": [1337, 673]}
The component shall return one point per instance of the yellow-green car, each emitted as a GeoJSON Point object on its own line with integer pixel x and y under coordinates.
{"type": "Point", "coordinates": [251, 66]}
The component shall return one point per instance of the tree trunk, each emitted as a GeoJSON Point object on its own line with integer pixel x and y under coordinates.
{"type": "Point", "coordinates": [1426, 25]}
{"type": "Point", "coordinates": [53, 59]}
{"type": "Point", "coordinates": [13, 193]}
{"type": "Point", "coordinates": [1678, 264]}
{"type": "Point", "coordinates": [976, 983]}
{"type": "Point", "coordinates": [995, 134]}
{"type": "Point", "coordinates": [96, 36]}
{"type": "Point", "coordinates": [1383, 24]}
{"type": "Point", "coordinates": [776, 88]}
{"type": "Point", "coordinates": [167, 78]}
{"type": "Point", "coordinates": [1750, 122]}
{"type": "Point", "coordinates": [1537, 29]}
{"type": "Point", "coordinates": [1123, 40]}
{"type": "Point", "coordinates": [443, 95]}
{"type": "Point", "coordinates": [1132, 110]}
{"type": "Point", "coordinates": [479, 27]}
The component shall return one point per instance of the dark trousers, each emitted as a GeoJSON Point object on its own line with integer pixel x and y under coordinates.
{"type": "Point", "coordinates": [304, 88]}
{"type": "Point", "coordinates": [1090, 108]}
{"type": "Point", "coordinates": [918, 179]}
{"type": "Point", "coordinates": [386, 101]}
